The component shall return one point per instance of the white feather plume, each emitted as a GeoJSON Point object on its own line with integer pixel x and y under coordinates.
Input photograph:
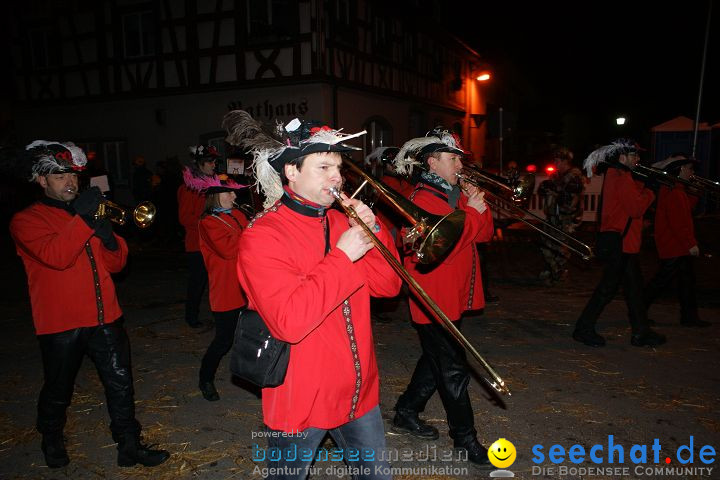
{"type": "Point", "coordinates": [45, 161]}
{"type": "Point", "coordinates": [331, 137]}
{"type": "Point", "coordinates": [406, 158]}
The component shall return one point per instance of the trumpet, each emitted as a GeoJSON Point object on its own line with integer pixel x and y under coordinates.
{"type": "Point", "coordinates": [405, 207]}
{"type": "Point", "coordinates": [246, 208]}
{"type": "Point", "coordinates": [143, 214]}
{"type": "Point", "coordinates": [506, 198]}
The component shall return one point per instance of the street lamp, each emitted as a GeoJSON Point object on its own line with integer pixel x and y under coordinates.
{"type": "Point", "coordinates": [620, 120]}
{"type": "Point", "coordinates": [483, 76]}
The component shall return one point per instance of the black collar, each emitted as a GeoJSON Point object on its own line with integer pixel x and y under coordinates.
{"type": "Point", "coordinates": [305, 210]}
{"type": "Point", "coordinates": [51, 202]}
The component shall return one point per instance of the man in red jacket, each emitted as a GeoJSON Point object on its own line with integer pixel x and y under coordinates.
{"type": "Point", "coordinates": [675, 240]}
{"type": "Point", "coordinates": [191, 204]}
{"type": "Point", "coordinates": [456, 286]}
{"type": "Point", "coordinates": [309, 272]}
{"type": "Point", "coordinates": [623, 203]}
{"type": "Point", "coordinates": [68, 256]}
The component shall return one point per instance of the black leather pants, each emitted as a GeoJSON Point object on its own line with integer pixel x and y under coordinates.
{"type": "Point", "coordinates": [680, 269]}
{"type": "Point", "coordinates": [442, 367]}
{"type": "Point", "coordinates": [62, 354]}
{"type": "Point", "coordinates": [620, 269]}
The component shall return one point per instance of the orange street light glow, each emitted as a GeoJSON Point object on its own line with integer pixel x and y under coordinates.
{"type": "Point", "coordinates": [483, 77]}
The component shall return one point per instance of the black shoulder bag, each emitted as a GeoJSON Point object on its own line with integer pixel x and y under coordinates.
{"type": "Point", "coordinates": [256, 355]}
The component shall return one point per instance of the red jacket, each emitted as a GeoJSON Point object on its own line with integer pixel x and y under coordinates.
{"type": "Point", "coordinates": [455, 284]}
{"type": "Point", "coordinates": [301, 294]}
{"type": "Point", "coordinates": [674, 229]}
{"type": "Point", "coordinates": [219, 237]}
{"type": "Point", "coordinates": [190, 206]}
{"type": "Point", "coordinates": [61, 278]}
{"type": "Point", "coordinates": [624, 198]}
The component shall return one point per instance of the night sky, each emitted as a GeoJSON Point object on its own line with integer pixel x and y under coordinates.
{"type": "Point", "coordinates": [590, 61]}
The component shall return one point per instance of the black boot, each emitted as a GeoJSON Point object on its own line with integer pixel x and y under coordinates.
{"type": "Point", "coordinates": [409, 423]}
{"type": "Point", "coordinates": [131, 452]}
{"type": "Point", "coordinates": [477, 454]}
{"type": "Point", "coordinates": [209, 392]}
{"type": "Point", "coordinates": [53, 447]}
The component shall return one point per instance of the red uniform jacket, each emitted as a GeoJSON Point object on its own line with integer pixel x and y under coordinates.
{"type": "Point", "coordinates": [624, 198]}
{"type": "Point", "coordinates": [304, 296]}
{"type": "Point", "coordinates": [455, 284]}
{"type": "Point", "coordinates": [674, 229]}
{"type": "Point", "coordinates": [385, 212]}
{"type": "Point", "coordinates": [190, 206]}
{"type": "Point", "coordinates": [61, 277]}
{"type": "Point", "coordinates": [219, 237]}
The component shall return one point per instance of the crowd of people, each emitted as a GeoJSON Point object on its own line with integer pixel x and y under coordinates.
{"type": "Point", "coordinates": [309, 271]}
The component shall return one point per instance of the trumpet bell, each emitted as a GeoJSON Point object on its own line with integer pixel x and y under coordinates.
{"type": "Point", "coordinates": [144, 214]}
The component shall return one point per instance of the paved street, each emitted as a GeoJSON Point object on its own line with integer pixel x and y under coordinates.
{"type": "Point", "coordinates": [563, 392]}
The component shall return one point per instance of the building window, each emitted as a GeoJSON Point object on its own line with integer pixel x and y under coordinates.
{"type": "Point", "coordinates": [42, 52]}
{"type": "Point", "coordinates": [380, 134]}
{"type": "Point", "coordinates": [118, 167]}
{"type": "Point", "coordinates": [340, 16]}
{"type": "Point", "coordinates": [381, 36]}
{"type": "Point", "coordinates": [271, 19]}
{"type": "Point", "coordinates": [138, 30]}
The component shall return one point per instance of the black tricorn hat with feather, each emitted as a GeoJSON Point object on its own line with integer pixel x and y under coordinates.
{"type": "Point", "coordinates": [439, 139]}
{"type": "Point", "coordinates": [609, 154]}
{"type": "Point", "coordinates": [288, 143]}
{"type": "Point", "coordinates": [50, 157]}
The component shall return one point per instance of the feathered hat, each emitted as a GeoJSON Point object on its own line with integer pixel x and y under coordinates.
{"type": "Point", "coordinates": [54, 157]}
{"type": "Point", "coordinates": [209, 184]}
{"type": "Point", "coordinates": [203, 152]}
{"type": "Point", "coordinates": [382, 155]}
{"type": "Point", "coordinates": [288, 143]}
{"type": "Point", "coordinates": [609, 154]}
{"type": "Point", "coordinates": [674, 161]}
{"type": "Point", "coordinates": [439, 139]}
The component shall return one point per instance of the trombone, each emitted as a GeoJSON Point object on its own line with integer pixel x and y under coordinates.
{"type": "Point", "coordinates": [447, 225]}
{"type": "Point", "coordinates": [143, 214]}
{"type": "Point", "coordinates": [500, 192]}
{"type": "Point", "coordinates": [699, 185]}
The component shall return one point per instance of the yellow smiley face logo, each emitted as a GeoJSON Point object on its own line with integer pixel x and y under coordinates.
{"type": "Point", "coordinates": [502, 453]}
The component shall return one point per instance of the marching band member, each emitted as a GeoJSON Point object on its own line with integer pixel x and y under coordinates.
{"type": "Point", "coordinates": [455, 285]}
{"type": "Point", "coordinates": [219, 231]}
{"type": "Point", "coordinates": [675, 240]}
{"type": "Point", "coordinates": [69, 255]}
{"type": "Point", "coordinates": [624, 201]}
{"type": "Point", "coordinates": [191, 204]}
{"type": "Point", "coordinates": [309, 272]}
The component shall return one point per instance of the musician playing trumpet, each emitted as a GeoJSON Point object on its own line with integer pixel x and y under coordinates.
{"type": "Point", "coordinates": [309, 272]}
{"type": "Point", "coordinates": [69, 255]}
{"type": "Point", "coordinates": [455, 283]}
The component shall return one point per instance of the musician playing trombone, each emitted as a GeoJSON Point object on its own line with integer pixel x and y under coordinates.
{"type": "Point", "coordinates": [309, 272]}
{"type": "Point", "coordinates": [69, 255]}
{"type": "Point", "coordinates": [623, 203]}
{"type": "Point", "coordinates": [455, 284]}
{"type": "Point", "coordinates": [675, 240]}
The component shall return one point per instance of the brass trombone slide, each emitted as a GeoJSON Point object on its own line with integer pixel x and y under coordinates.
{"type": "Point", "coordinates": [509, 204]}
{"type": "Point", "coordinates": [698, 184]}
{"type": "Point", "coordinates": [496, 383]}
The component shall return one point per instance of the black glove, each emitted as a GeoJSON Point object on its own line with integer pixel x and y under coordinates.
{"type": "Point", "coordinates": [104, 231]}
{"type": "Point", "coordinates": [87, 202]}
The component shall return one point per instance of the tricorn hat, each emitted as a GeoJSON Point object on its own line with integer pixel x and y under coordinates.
{"type": "Point", "coordinates": [50, 157]}
{"type": "Point", "coordinates": [608, 154]}
{"type": "Point", "coordinates": [203, 152]}
{"type": "Point", "coordinates": [287, 143]}
{"type": "Point", "coordinates": [674, 161]}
